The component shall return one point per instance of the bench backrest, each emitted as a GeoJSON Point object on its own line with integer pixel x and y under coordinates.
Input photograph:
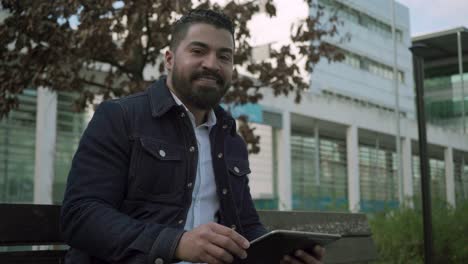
{"type": "Point", "coordinates": [30, 225]}
{"type": "Point", "coordinates": [27, 224]}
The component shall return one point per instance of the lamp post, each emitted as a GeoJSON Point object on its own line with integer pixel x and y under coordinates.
{"type": "Point", "coordinates": [418, 66]}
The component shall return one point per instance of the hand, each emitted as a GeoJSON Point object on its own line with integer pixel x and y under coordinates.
{"type": "Point", "coordinates": [211, 243]}
{"type": "Point", "coordinates": [303, 257]}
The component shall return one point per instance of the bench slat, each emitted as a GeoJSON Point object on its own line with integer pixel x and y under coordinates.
{"type": "Point", "coordinates": [33, 257]}
{"type": "Point", "coordinates": [28, 224]}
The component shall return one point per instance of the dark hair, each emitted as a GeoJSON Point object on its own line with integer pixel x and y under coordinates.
{"type": "Point", "coordinates": [195, 16]}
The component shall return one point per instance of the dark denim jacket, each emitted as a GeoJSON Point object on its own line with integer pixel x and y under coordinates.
{"type": "Point", "coordinates": [128, 191]}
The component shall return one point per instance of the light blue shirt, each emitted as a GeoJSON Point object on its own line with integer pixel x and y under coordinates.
{"type": "Point", "coordinates": [205, 203]}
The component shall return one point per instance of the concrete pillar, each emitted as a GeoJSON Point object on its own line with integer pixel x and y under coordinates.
{"type": "Point", "coordinates": [46, 120]}
{"type": "Point", "coordinates": [284, 167]}
{"type": "Point", "coordinates": [449, 176]}
{"type": "Point", "coordinates": [407, 158]}
{"type": "Point", "coordinates": [352, 148]}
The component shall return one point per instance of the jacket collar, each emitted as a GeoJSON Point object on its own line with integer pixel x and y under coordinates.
{"type": "Point", "coordinates": [160, 98]}
{"type": "Point", "coordinates": [226, 119]}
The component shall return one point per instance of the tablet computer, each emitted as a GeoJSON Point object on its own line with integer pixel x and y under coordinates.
{"type": "Point", "coordinates": [271, 247]}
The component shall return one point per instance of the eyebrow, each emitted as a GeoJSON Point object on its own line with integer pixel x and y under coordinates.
{"type": "Point", "coordinates": [204, 45]}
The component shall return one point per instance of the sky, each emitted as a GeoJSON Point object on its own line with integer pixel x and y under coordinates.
{"type": "Point", "coordinates": [426, 16]}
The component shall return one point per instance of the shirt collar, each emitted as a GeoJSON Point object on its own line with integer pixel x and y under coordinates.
{"type": "Point", "coordinates": [210, 121]}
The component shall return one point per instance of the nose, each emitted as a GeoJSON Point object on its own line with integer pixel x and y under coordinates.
{"type": "Point", "coordinates": [210, 62]}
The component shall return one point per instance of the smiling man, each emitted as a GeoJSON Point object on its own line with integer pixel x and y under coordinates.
{"type": "Point", "coordinates": [161, 176]}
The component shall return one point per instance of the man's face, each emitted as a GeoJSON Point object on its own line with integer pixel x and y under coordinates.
{"type": "Point", "coordinates": [200, 68]}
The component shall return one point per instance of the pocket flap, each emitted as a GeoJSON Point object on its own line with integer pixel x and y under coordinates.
{"type": "Point", "coordinates": [160, 149]}
{"type": "Point", "coordinates": [238, 167]}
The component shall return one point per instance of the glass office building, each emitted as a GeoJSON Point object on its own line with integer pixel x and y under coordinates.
{"type": "Point", "coordinates": [446, 77]}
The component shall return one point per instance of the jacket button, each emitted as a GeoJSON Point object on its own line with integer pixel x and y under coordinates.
{"type": "Point", "coordinates": [224, 126]}
{"type": "Point", "coordinates": [225, 191]}
{"type": "Point", "coordinates": [182, 114]}
{"type": "Point", "coordinates": [162, 153]}
{"type": "Point", "coordinates": [192, 149]}
{"type": "Point", "coordinates": [159, 261]}
{"type": "Point", "coordinates": [220, 155]}
{"type": "Point", "coordinates": [189, 185]}
{"type": "Point", "coordinates": [181, 221]}
{"type": "Point", "coordinates": [236, 170]}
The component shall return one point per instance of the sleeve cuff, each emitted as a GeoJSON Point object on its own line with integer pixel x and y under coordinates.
{"type": "Point", "coordinates": [163, 249]}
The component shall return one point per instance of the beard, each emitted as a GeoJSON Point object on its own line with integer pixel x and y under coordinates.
{"type": "Point", "coordinates": [204, 97]}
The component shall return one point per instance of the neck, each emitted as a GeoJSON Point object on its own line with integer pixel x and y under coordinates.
{"type": "Point", "coordinates": [200, 115]}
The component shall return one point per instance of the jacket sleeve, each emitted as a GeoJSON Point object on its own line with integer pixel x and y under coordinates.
{"type": "Point", "coordinates": [96, 187]}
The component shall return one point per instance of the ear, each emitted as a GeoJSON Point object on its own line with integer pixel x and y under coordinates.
{"type": "Point", "coordinates": [169, 60]}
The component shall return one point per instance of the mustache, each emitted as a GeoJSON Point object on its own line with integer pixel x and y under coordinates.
{"type": "Point", "coordinates": [208, 73]}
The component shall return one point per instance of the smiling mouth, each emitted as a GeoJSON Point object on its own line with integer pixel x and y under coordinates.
{"type": "Point", "coordinates": [208, 79]}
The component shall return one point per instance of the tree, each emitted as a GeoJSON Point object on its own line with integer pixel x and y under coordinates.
{"type": "Point", "coordinates": [102, 47]}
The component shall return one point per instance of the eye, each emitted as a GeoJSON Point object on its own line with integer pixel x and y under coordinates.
{"type": "Point", "coordinates": [225, 57]}
{"type": "Point", "coordinates": [197, 51]}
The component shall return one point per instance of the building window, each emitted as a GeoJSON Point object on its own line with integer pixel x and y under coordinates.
{"type": "Point", "coordinates": [349, 14]}
{"type": "Point", "coordinates": [378, 178]}
{"type": "Point", "coordinates": [360, 62]}
{"type": "Point", "coordinates": [17, 151]}
{"type": "Point", "coordinates": [437, 174]}
{"type": "Point", "coordinates": [262, 178]}
{"type": "Point", "coordinates": [70, 126]}
{"type": "Point", "coordinates": [329, 190]}
{"type": "Point", "coordinates": [461, 179]}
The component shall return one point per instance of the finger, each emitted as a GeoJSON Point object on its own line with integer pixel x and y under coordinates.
{"type": "Point", "coordinates": [306, 257]}
{"type": "Point", "coordinates": [319, 252]}
{"type": "Point", "coordinates": [207, 258]}
{"type": "Point", "coordinates": [219, 253]}
{"type": "Point", "coordinates": [290, 260]}
{"type": "Point", "coordinates": [222, 230]}
{"type": "Point", "coordinates": [226, 242]}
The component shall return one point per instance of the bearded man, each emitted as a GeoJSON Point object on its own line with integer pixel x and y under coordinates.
{"type": "Point", "coordinates": [161, 176]}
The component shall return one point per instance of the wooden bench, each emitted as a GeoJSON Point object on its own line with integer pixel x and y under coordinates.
{"type": "Point", "coordinates": [36, 225]}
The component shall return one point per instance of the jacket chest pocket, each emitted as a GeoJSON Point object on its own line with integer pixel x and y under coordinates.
{"type": "Point", "coordinates": [238, 171]}
{"type": "Point", "coordinates": [159, 168]}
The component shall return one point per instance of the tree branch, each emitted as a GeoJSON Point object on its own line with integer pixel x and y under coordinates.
{"type": "Point", "coordinates": [148, 33]}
